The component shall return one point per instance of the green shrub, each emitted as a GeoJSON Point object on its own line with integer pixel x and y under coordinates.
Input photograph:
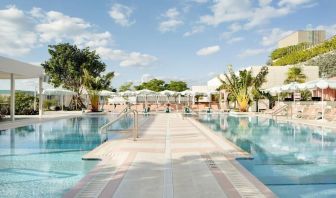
{"type": "Point", "coordinates": [303, 55]}
{"type": "Point", "coordinates": [281, 52]}
{"type": "Point", "coordinates": [49, 103]}
{"type": "Point", "coordinates": [24, 104]}
{"type": "Point", "coordinates": [326, 64]}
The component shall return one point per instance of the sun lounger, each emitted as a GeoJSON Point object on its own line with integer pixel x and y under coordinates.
{"type": "Point", "coordinates": [275, 109]}
{"type": "Point", "coordinates": [330, 114]}
{"type": "Point", "coordinates": [310, 113]}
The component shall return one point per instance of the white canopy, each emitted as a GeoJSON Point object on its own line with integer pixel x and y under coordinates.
{"type": "Point", "coordinates": [107, 93]}
{"type": "Point", "coordinates": [13, 69]}
{"type": "Point", "coordinates": [20, 69]}
{"type": "Point", "coordinates": [57, 91]}
{"type": "Point", "coordinates": [168, 93]}
{"type": "Point", "coordinates": [321, 84]}
{"type": "Point", "coordinates": [290, 87]}
{"type": "Point", "coordinates": [145, 92]}
{"type": "Point", "coordinates": [117, 100]}
{"type": "Point", "coordinates": [187, 93]}
{"type": "Point", "coordinates": [127, 93]}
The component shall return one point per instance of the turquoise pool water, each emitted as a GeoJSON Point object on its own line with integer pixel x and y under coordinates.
{"type": "Point", "coordinates": [292, 160]}
{"type": "Point", "coordinates": [44, 160]}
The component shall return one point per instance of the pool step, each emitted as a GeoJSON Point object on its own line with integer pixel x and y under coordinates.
{"type": "Point", "coordinates": [105, 174]}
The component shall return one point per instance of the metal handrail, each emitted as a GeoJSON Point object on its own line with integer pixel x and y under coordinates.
{"type": "Point", "coordinates": [123, 113]}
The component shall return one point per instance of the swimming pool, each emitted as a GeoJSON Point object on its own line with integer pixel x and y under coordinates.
{"type": "Point", "coordinates": [292, 160]}
{"type": "Point", "coordinates": [44, 160]}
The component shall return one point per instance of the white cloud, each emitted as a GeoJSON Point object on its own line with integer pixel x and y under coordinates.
{"type": "Point", "coordinates": [146, 78]}
{"type": "Point", "coordinates": [235, 40]}
{"type": "Point", "coordinates": [56, 26]}
{"type": "Point", "coordinates": [250, 14]}
{"type": "Point", "coordinates": [17, 36]}
{"type": "Point", "coordinates": [208, 50]}
{"type": "Point", "coordinates": [293, 2]}
{"type": "Point", "coordinates": [194, 30]}
{"type": "Point", "coordinates": [121, 14]}
{"type": "Point", "coordinates": [330, 29]}
{"type": "Point", "coordinates": [233, 28]}
{"type": "Point", "coordinates": [200, 1]}
{"type": "Point", "coordinates": [253, 52]}
{"type": "Point", "coordinates": [21, 32]}
{"type": "Point", "coordinates": [271, 38]}
{"type": "Point", "coordinates": [227, 11]}
{"type": "Point", "coordinates": [127, 59]}
{"type": "Point", "coordinates": [137, 59]}
{"type": "Point", "coordinates": [264, 14]}
{"type": "Point", "coordinates": [263, 3]}
{"type": "Point", "coordinates": [171, 21]}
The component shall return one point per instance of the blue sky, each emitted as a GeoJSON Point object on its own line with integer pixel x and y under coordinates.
{"type": "Point", "coordinates": [190, 40]}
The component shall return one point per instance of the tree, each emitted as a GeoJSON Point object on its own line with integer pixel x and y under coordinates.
{"type": "Point", "coordinates": [66, 67]}
{"type": "Point", "coordinates": [243, 85]}
{"type": "Point", "coordinates": [94, 85]}
{"type": "Point", "coordinates": [126, 86]}
{"type": "Point", "coordinates": [295, 74]}
{"type": "Point", "coordinates": [177, 86]}
{"type": "Point", "coordinates": [154, 85]}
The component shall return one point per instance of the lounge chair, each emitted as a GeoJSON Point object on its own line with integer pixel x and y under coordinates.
{"type": "Point", "coordinates": [310, 113]}
{"type": "Point", "coordinates": [274, 109]}
{"type": "Point", "coordinates": [330, 114]}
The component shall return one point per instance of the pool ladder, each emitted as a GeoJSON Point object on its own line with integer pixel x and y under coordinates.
{"type": "Point", "coordinates": [122, 114]}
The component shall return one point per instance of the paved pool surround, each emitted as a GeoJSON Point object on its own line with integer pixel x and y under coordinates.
{"type": "Point", "coordinates": [174, 157]}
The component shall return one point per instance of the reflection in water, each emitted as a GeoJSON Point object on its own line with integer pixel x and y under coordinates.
{"type": "Point", "coordinates": [290, 159]}
{"type": "Point", "coordinates": [44, 160]}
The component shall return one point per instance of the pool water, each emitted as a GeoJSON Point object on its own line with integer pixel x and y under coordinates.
{"type": "Point", "coordinates": [44, 160]}
{"type": "Point", "coordinates": [292, 160]}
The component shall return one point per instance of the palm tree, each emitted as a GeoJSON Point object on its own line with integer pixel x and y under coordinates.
{"type": "Point", "coordinates": [96, 84]}
{"type": "Point", "coordinates": [295, 74]}
{"type": "Point", "coordinates": [243, 86]}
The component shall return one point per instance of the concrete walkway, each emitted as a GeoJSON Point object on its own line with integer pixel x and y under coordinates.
{"type": "Point", "coordinates": [174, 157]}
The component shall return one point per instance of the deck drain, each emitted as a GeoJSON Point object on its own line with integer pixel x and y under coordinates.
{"type": "Point", "coordinates": [210, 163]}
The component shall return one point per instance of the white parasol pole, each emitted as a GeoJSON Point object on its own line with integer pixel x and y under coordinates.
{"type": "Point", "coordinates": [322, 105]}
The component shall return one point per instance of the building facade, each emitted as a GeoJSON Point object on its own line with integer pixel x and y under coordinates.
{"type": "Point", "coordinates": [303, 36]}
{"type": "Point", "coordinates": [275, 77]}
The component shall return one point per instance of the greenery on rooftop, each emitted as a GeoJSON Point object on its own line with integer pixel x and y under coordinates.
{"type": "Point", "coordinates": [299, 53]}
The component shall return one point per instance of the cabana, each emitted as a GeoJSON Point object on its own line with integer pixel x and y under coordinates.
{"type": "Point", "coordinates": [13, 69]}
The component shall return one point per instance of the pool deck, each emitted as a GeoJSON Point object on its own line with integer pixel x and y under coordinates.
{"type": "Point", "coordinates": [174, 157]}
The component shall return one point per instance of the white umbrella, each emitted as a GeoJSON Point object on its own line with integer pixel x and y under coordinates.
{"type": "Point", "coordinates": [127, 93]}
{"type": "Point", "coordinates": [290, 87]}
{"type": "Point", "coordinates": [145, 92]}
{"type": "Point", "coordinates": [168, 93]}
{"type": "Point", "coordinates": [187, 93]}
{"type": "Point", "coordinates": [274, 91]}
{"type": "Point", "coordinates": [322, 84]}
{"type": "Point", "coordinates": [58, 92]}
{"type": "Point", "coordinates": [117, 100]}
{"type": "Point", "coordinates": [107, 93]}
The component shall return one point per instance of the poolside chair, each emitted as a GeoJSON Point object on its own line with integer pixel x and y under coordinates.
{"type": "Point", "coordinates": [330, 114]}
{"type": "Point", "coordinates": [310, 113]}
{"type": "Point", "coordinates": [275, 109]}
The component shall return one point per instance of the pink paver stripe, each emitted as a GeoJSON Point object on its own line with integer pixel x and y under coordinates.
{"type": "Point", "coordinates": [115, 181]}
{"type": "Point", "coordinates": [196, 154]}
{"type": "Point", "coordinates": [222, 180]}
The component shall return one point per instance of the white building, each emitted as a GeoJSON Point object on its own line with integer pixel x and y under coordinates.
{"type": "Point", "coordinates": [275, 77]}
